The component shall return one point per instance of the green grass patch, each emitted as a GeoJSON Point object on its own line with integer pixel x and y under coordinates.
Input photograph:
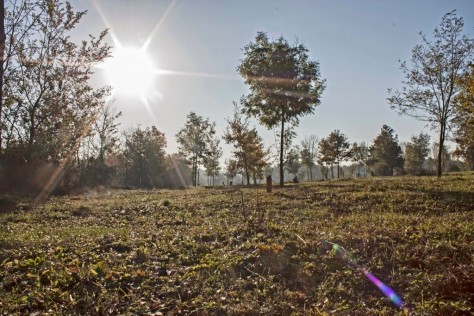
{"type": "Point", "coordinates": [244, 251]}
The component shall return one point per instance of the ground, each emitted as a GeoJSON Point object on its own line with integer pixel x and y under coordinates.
{"type": "Point", "coordinates": [242, 251]}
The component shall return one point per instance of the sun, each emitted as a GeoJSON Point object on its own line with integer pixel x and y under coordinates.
{"type": "Point", "coordinates": [130, 71]}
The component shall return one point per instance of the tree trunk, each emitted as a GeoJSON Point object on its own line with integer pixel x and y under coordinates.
{"type": "Point", "coordinates": [282, 142]}
{"type": "Point", "coordinates": [2, 57]}
{"type": "Point", "coordinates": [338, 169]}
{"type": "Point", "coordinates": [440, 151]}
{"type": "Point", "coordinates": [247, 173]}
{"type": "Point", "coordinates": [194, 171]}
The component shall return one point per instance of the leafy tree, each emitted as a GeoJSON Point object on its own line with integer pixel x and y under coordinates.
{"type": "Point", "coordinates": [293, 163]}
{"type": "Point", "coordinates": [308, 154]}
{"type": "Point", "coordinates": [211, 161]}
{"type": "Point", "coordinates": [194, 140]}
{"type": "Point", "coordinates": [464, 119]}
{"type": "Point", "coordinates": [385, 152]}
{"type": "Point", "coordinates": [47, 87]}
{"type": "Point", "coordinates": [360, 155]}
{"type": "Point", "coordinates": [258, 157]}
{"type": "Point", "coordinates": [47, 105]}
{"type": "Point", "coordinates": [334, 149]}
{"type": "Point", "coordinates": [284, 84]}
{"type": "Point", "coordinates": [416, 152]}
{"type": "Point", "coordinates": [326, 158]}
{"type": "Point", "coordinates": [430, 86]}
{"type": "Point", "coordinates": [145, 157]}
{"type": "Point", "coordinates": [248, 150]}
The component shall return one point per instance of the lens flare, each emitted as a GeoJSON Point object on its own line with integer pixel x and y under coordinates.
{"type": "Point", "coordinates": [386, 290]}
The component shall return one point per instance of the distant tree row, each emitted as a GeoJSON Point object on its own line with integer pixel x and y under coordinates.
{"type": "Point", "coordinates": [384, 157]}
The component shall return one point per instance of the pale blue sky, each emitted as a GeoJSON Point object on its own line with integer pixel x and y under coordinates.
{"type": "Point", "coordinates": [357, 42]}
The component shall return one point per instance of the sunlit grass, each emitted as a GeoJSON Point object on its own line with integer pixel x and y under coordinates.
{"type": "Point", "coordinates": [231, 250]}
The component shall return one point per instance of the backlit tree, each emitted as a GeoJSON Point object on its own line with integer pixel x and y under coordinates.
{"type": "Point", "coordinates": [430, 81]}
{"type": "Point", "coordinates": [284, 85]}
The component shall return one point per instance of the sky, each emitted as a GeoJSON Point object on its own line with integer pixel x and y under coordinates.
{"type": "Point", "coordinates": [198, 44]}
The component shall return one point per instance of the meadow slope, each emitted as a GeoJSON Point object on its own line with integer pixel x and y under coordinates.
{"type": "Point", "coordinates": [242, 251]}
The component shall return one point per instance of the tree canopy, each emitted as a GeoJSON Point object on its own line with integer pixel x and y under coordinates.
{"type": "Point", "coordinates": [248, 149]}
{"type": "Point", "coordinates": [195, 140]}
{"type": "Point", "coordinates": [385, 152]}
{"type": "Point", "coordinates": [416, 152]}
{"type": "Point", "coordinates": [284, 84]}
{"type": "Point", "coordinates": [334, 149]}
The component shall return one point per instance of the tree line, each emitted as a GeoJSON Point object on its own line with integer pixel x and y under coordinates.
{"type": "Point", "coordinates": [57, 131]}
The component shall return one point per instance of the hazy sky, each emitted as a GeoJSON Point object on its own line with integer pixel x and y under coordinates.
{"type": "Point", "coordinates": [358, 44]}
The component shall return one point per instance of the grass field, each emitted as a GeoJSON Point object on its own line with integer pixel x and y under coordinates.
{"type": "Point", "coordinates": [243, 251]}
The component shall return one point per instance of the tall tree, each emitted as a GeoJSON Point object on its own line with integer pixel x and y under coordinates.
{"type": "Point", "coordinates": [47, 85]}
{"type": "Point", "coordinates": [335, 149]}
{"type": "Point", "coordinates": [385, 152]}
{"type": "Point", "coordinates": [416, 152]}
{"type": "Point", "coordinates": [308, 154]}
{"type": "Point", "coordinates": [47, 103]}
{"type": "Point", "coordinates": [464, 119]}
{"type": "Point", "coordinates": [284, 84]}
{"type": "Point", "coordinates": [194, 141]}
{"type": "Point", "coordinates": [430, 81]}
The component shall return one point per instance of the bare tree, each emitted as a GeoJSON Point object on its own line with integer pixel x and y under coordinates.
{"type": "Point", "coordinates": [309, 148]}
{"type": "Point", "coordinates": [430, 81]}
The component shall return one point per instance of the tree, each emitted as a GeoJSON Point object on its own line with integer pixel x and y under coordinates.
{"type": "Point", "coordinates": [360, 155]}
{"type": "Point", "coordinates": [430, 82]}
{"type": "Point", "coordinates": [335, 149]}
{"type": "Point", "coordinates": [464, 119]}
{"type": "Point", "coordinates": [416, 152]}
{"type": "Point", "coordinates": [326, 157]}
{"type": "Point", "coordinates": [145, 156]}
{"type": "Point", "coordinates": [293, 163]}
{"type": "Point", "coordinates": [308, 154]}
{"type": "Point", "coordinates": [284, 84]}
{"type": "Point", "coordinates": [47, 104]}
{"type": "Point", "coordinates": [248, 150]}
{"type": "Point", "coordinates": [385, 152]}
{"type": "Point", "coordinates": [211, 161]}
{"type": "Point", "coordinates": [46, 89]}
{"type": "Point", "coordinates": [194, 141]}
